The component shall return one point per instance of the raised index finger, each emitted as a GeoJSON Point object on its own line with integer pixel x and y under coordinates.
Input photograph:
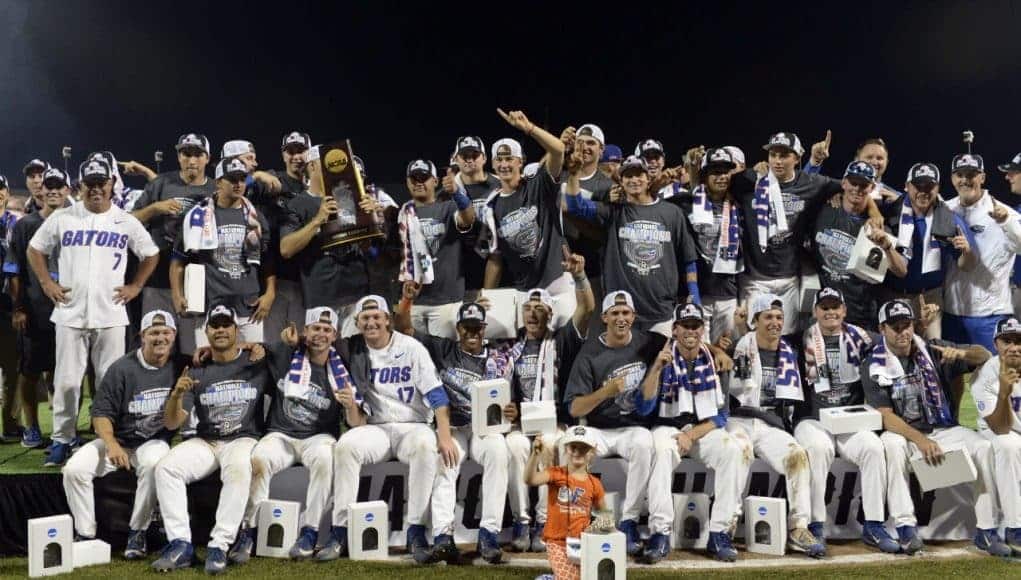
{"type": "Point", "coordinates": [828, 139]}
{"type": "Point", "coordinates": [505, 116]}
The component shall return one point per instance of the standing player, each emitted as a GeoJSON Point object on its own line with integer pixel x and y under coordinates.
{"type": "Point", "coordinates": [128, 418]}
{"type": "Point", "coordinates": [402, 395]}
{"type": "Point", "coordinates": [996, 390]}
{"type": "Point", "coordinates": [33, 172]}
{"type": "Point", "coordinates": [90, 295]}
{"type": "Point", "coordinates": [227, 398]}
{"type": "Point", "coordinates": [8, 421]}
{"type": "Point", "coordinates": [691, 415]}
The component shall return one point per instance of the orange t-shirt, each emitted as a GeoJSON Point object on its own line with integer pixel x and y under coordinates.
{"type": "Point", "coordinates": [570, 505]}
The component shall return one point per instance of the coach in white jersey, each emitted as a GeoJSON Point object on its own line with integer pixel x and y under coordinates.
{"type": "Point", "coordinates": [94, 237]}
{"type": "Point", "coordinates": [402, 393]}
{"type": "Point", "coordinates": [997, 393]}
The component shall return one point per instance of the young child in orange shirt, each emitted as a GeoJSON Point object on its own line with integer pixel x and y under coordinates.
{"type": "Point", "coordinates": [573, 494]}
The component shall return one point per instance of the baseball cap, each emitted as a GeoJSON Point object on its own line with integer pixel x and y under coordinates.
{"type": "Point", "coordinates": [719, 157]}
{"type": "Point", "coordinates": [1008, 325]}
{"type": "Point", "coordinates": [787, 141]}
{"type": "Point", "coordinates": [923, 173]}
{"type": "Point", "coordinates": [611, 154]}
{"type": "Point", "coordinates": [687, 311]}
{"type": "Point", "coordinates": [472, 312]}
{"type": "Point", "coordinates": [967, 161]}
{"type": "Point", "coordinates": [506, 147]}
{"type": "Point", "coordinates": [95, 168]}
{"type": "Point", "coordinates": [158, 318]}
{"type": "Point", "coordinates": [3, 182]}
{"type": "Point", "coordinates": [1013, 165]}
{"type": "Point", "coordinates": [736, 154]}
{"type": "Point", "coordinates": [895, 310]}
{"type": "Point", "coordinates": [633, 162]}
{"type": "Point", "coordinates": [35, 165]}
{"type": "Point", "coordinates": [322, 314]}
{"type": "Point", "coordinates": [236, 147]}
{"type": "Point", "coordinates": [231, 166]}
{"type": "Point", "coordinates": [296, 138]}
{"type": "Point", "coordinates": [193, 140]}
{"type": "Point", "coordinates": [649, 147]}
{"type": "Point", "coordinates": [543, 296]}
{"type": "Point", "coordinates": [371, 302]}
{"type": "Point", "coordinates": [53, 174]}
{"type": "Point", "coordinates": [828, 293]}
{"type": "Point", "coordinates": [222, 311]}
{"type": "Point", "coordinates": [421, 166]}
{"type": "Point", "coordinates": [762, 303]}
{"type": "Point", "coordinates": [618, 297]}
{"type": "Point", "coordinates": [860, 170]}
{"type": "Point", "coordinates": [469, 143]}
{"type": "Point", "coordinates": [592, 131]}
{"type": "Point", "coordinates": [577, 434]}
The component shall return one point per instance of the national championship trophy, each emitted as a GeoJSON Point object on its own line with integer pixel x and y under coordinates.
{"type": "Point", "coordinates": [343, 181]}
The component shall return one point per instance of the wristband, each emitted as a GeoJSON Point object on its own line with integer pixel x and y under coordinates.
{"type": "Point", "coordinates": [461, 199]}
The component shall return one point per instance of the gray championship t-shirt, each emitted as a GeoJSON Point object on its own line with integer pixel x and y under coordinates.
{"type": "Point", "coordinates": [228, 398]}
{"type": "Point", "coordinates": [568, 342]}
{"type": "Point", "coordinates": [585, 237]}
{"type": "Point", "coordinates": [833, 234]}
{"type": "Point", "coordinates": [457, 370]}
{"type": "Point", "coordinates": [312, 411]}
{"type": "Point", "coordinates": [840, 394]}
{"type": "Point", "coordinates": [529, 231]}
{"type": "Point", "coordinates": [706, 238]}
{"type": "Point", "coordinates": [444, 239]}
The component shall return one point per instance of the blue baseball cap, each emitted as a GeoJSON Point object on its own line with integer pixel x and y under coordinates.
{"type": "Point", "coordinates": [611, 154]}
{"type": "Point", "coordinates": [861, 170]}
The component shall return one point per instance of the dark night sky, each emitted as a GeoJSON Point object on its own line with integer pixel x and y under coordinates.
{"type": "Point", "coordinates": [405, 80]}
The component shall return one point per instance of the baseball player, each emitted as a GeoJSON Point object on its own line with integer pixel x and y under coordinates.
{"type": "Point", "coordinates": [996, 389]}
{"type": "Point", "coordinates": [33, 172]}
{"type": "Point", "coordinates": [652, 152]}
{"type": "Point", "coordinates": [766, 384]}
{"type": "Point", "coordinates": [690, 415]}
{"type": "Point", "coordinates": [605, 387]}
{"type": "Point", "coordinates": [8, 393]}
{"type": "Point", "coordinates": [227, 400]}
{"type": "Point", "coordinates": [976, 300]}
{"type": "Point", "coordinates": [90, 292]}
{"type": "Point", "coordinates": [402, 394]}
{"type": "Point", "coordinates": [833, 352]}
{"type": "Point", "coordinates": [313, 388]}
{"type": "Point", "coordinates": [909, 381]}
{"type": "Point", "coordinates": [127, 416]}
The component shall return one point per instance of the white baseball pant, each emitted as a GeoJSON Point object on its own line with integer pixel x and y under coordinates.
{"type": "Point", "coordinates": [564, 300]}
{"type": "Point", "coordinates": [718, 314]}
{"type": "Point", "coordinates": [519, 447]}
{"type": "Point", "coordinates": [899, 452]}
{"type": "Point", "coordinates": [863, 449]}
{"type": "Point", "coordinates": [438, 320]}
{"type": "Point", "coordinates": [91, 462]}
{"type": "Point", "coordinates": [788, 289]}
{"type": "Point", "coordinates": [410, 443]}
{"type": "Point", "coordinates": [193, 460]}
{"type": "Point", "coordinates": [635, 445]}
{"type": "Point", "coordinates": [276, 452]}
{"type": "Point", "coordinates": [491, 453]}
{"type": "Point", "coordinates": [288, 307]}
{"type": "Point", "coordinates": [248, 331]}
{"type": "Point", "coordinates": [729, 458]}
{"type": "Point", "coordinates": [1007, 465]}
{"type": "Point", "coordinates": [785, 456]}
{"type": "Point", "coordinates": [75, 347]}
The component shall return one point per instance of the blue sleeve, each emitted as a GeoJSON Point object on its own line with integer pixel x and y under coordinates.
{"type": "Point", "coordinates": [809, 168]}
{"type": "Point", "coordinates": [581, 207]}
{"type": "Point", "coordinates": [720, 420]}
{"type": "Point", "coordinates": [437, 397]}
{"type": "Point", "coordinates": [696, 297]}
{"type": "Point", "coordinates": [647, 406]}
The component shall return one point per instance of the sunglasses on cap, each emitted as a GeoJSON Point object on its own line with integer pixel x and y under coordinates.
{"type": "Point", "coordinates": [53, 183]}
{"type": "Point", "coordinates": [469, 155]}
{"type": "Point", "coordinates": [95, 181]}
{"type": "Point", "coordinates": [420, 177]}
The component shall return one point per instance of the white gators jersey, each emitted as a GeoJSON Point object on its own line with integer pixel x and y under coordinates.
{"type": "Point", "coordinates": [985, 386]}
{"type": "Point", "coordinates": [985, 290]}
{"type": "Point", "coordinates": [401, 373]}
{"type": "Point", "coordinates": [93, 258]}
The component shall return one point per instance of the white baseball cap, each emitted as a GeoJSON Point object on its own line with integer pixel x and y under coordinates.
{"type": "Point", "coordinates": [322, 314]}
{"type": "Point", "coordinates": [507, 146]}
{"type": "Point", "coordinates": [578, 434]}
{"type": "Point", "coordinates": [371, 302]}
{"type": "Point", "coordinates": [158, 318]}
{"type": "Point", "coordinates": [618, 297]}
{"type": "Point", "coordinates": [736, 154]}
{"type": "Point", "coordinates": [762, 303]}
{"type": "Point", "coordinates": [236, 147]}
{"type": "Point", "coordinates": [593, 131]}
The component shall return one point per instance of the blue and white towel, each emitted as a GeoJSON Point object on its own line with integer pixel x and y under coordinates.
{"type": "Point", "coordinates": [853, 340]}
{"type": "Point", "coordinates": [417, 262]}
{"type": "Point", "coordinates": [728, 259]}
{"type": "Point", "coordinates": [200, 229]}
{"type": "Point", "coordinates": [768, 203]}
{"type": "Point", "coordinates": [300, 375]}
{"type": "Point", "coordinates": [932, 254]}
{"type": "Point", "coordinates": [885, 368]}
{"type": "Point", "coordinates": [699, 393]}
{"type": "Point", "coordinates": [788, 379]}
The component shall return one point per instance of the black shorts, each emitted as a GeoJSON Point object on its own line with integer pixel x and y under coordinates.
{"type": "Point", "coordinates": [37, 346]}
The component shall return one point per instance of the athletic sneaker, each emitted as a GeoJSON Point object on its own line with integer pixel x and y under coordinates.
{"type": "Point", "coordinates": [910, 543]}
{"type": "Point", "coordinates": [520, 540]}
{"type": "Point", "coordinates": [216, 561]}
{"type": "Point", "coordinates": [136, 548]}
{"type": "Point", "coordinates": [1012, 537]}
{"type": "Point", "coordinates": [818, 530]}
{"type": "Point", "coordinates": [418, 545]}
{"type": "Point", "coordinates": [31, 437]}
{"type": "Point", "coordinates": [241, 551]}
{"type": "Point", "coordinates": [874, 534]}
{"type": "Point", "coordinates": [721, 547]}
{"type": "Point", "coordinates": [538, 544]}
{"type": "Point", "coordinates": [336, 546]}
{"type": "Point", "coordinates": [175, 555]}
{"type": "Point", "coordinates": [444, 549]}
{"type": "Point", "coordinates": [990, 542]}
{"type": "Point", "coordinates": [489, 547]}
{"type": "Point", "coordinates": [802, 540]}
{"type": "Point", "coordinates": [305, 545]}
{"type": "Point", "coordinates": [634, 541]}
{"type": "Point", "coordinates": [657, 549]}
{"type": "Point", "coordinates": [58, 455]}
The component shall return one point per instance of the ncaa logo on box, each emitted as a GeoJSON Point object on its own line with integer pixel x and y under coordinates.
{"type": "Point", "coordinates": [369, 517]}
{"type": "Point", "coordinates": [762, 510]}
{"type": "Point", "coordinates": [605, 547]}
{"type": "Point", "coordinates": [277, 512]}
{"type": "Point", "coordinates": [52, 532]}
{"type": "Point", "coordinates": [493, 393]}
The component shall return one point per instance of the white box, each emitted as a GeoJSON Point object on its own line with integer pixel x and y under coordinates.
{"type": "Point", "coordinates": [603, 556]}
{"type": "Point", "coordinates": [850, 419]}
{"type": "Point", "coordinates": [691, 521]}
{"type": "Point", "coordinates": [195, 288]}
{"type": "Point", "coordinates": [765, 525]}
{"type": "Point", "coordinates": [368, 530]}
{"type": "Point", "coordinates": [90, 553]}
{"type": "Point", "coordinates": [957, 467]}
{"type": "Point", "coordinates": [868, 261]}
{"type": "Point", "coordinates": [538, 418]}
{"type": "Point", "coordinates": [49, 546]}
{"type": "Point", "coordinates": [613, 501]}
{"type": "Point", "coordinates": [502, 316]}
{"type": "Point", "coordinates": [278, 528]}
{"type": "Point", "coordinates": [488, 401]}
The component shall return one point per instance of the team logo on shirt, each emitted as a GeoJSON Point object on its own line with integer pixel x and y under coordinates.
{"type": "Point", "coordinates": [835, 248]}
{"type": "Point", "coordinates": [433, 230]}
{"type": "Point", "coordinates": [570, 495]}
{"type": "Point", "coordinates": [521, 230]}
{"type": "Point", "coordinates": [642, 242]}
{"type": "Point", "coordinates": [305, 410]}
{"type": "Point", "coordinates": [147, 408]}
{"type": "Point", "coordinates": [226, 403]}
{"type": "Point", "coordinates": [633, 374]}
{"type": "Point", "coordinates": [228, 254]}
{"type": "Point", "coordinates": [457, 382]}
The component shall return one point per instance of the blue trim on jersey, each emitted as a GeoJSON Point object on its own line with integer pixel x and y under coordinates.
{"type": "Point", "coordinates": [696, 296]}
{"type": "Point", "coordinates": [581, 207]}
{"type": "Point", "coordinates": [10, 268]}
{"type": "Point", "coordinates": [647, 406]}
{"type": "Point", "coordinates": [175, 255]}
{"type": "Point", "coordinates": [720, 419]}
{"type": "Point", "coordinates": [437, 397]}
{"type": "Point", "coordinates": [809, 167]}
